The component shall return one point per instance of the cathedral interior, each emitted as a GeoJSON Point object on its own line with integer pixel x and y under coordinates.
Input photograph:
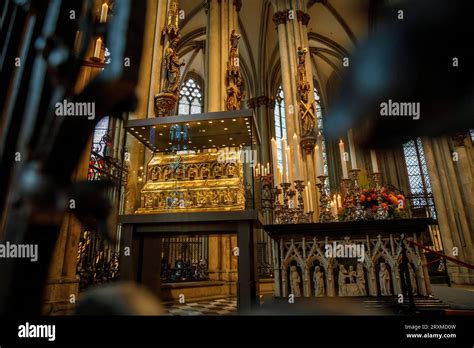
{"type": "Point", "coordinates": [226, 157]}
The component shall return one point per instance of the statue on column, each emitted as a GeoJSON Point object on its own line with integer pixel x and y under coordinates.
{"type": "Point", "coordinates": [384, 280]}
{"type": "Point", "coordinates": [295, 281]}
{"type": "Point", "coordinates": [234, 77]}
{"type": "Point", "coordinates": [305, 102]}
{"type": "Point", "coordinates": [173, 66]}
{"type": "Point", "coordinates": [318, 279]}
{"type": "Point", "coordinates": [168, 97]}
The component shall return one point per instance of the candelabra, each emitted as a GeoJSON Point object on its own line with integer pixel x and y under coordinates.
{"type": "Point", "coordinates": [381, 213]}
{"type": "Point", "coordinates": [300, 215]}
{"type": "Point", "coordinates": [284, 209]}
{"type": "Point", "coordinates": [357, 211]}
{"type": "Point", "coordinates": [324, 207]}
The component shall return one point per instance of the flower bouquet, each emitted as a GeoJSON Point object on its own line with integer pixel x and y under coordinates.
{"type": "Point", "coordinates": [375, 203]}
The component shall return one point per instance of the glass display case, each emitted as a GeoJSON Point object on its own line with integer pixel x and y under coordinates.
{"type": "Point", "coordinates": [200, 162]}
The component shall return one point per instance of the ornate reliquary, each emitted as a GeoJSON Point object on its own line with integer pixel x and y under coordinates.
{"type": "Point", "coordinates": [191, 183]}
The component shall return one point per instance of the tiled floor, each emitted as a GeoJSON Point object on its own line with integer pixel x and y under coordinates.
{"type": "Point", "coordinates": [222, 306]}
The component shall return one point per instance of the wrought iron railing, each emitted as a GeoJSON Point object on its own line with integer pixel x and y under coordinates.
{"type": "Point", "coordinates": [98, 258]}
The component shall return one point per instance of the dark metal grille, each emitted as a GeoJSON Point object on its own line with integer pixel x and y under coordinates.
{"type": "Point", "coordinates": [185, 259]}
{"type": "Point", "coordinates": [264, 255]}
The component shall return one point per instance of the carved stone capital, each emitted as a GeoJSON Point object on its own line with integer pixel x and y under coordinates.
{"type": "Point", "coordinates": [308, 143]}
{"type": "Point", "coordinates": [303, 17]}
{"type": "Point", "coordinates": [262, 100]}
{"type": "Point", "coordinates": [280, 17]}
{"type": "Point", "coordinates": [237, 4]}
{"type": "Point", "coordinates": [459, 138]}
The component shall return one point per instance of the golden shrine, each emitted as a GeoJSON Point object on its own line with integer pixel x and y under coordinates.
{"type": "Point", "coordinates": [192, 182]}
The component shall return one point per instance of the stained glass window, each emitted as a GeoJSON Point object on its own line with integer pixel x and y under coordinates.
{"type": "Point", "coordinates": [280, 122]}
{"type": "Point", "coordinates": [190, 98]}
{"type": "Point", "coordinates": [99, 140]}
{"type": "Point", "coordinates": [319, 119]}
{"type": "Point", "coordinates": [418, 178]}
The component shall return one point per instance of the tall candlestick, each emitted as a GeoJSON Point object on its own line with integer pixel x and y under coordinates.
{"type": "Point", "coordinates": [310, 192]}
{"type": "Point", "coordinates": [274, 158]}
{"type": "Point", "coordinates": [284, 154]}
{"type": "Point", "coordinates": [339, 201]}
{"type": "Point", "coordinates": [308, 204]}
{"type": "Point", "coordinates": [319, 161]}
{"type": "Point", "coordinates": [352, 149]}
{"type": "Point", "coordinates": [342, 152]}
{"type": "Point", "coordinates": [373, 157]}
{"type": "Point", "coordinates": [280, 177]}
{"type": "Point", "coordinates": [289, 161]}
{"type": "Point", "coordinates": [98, 47]}
{"type": "Point", "coordinates": [268, 168]}
{"type": "Point", "coordinates": [295, 153]}
{"type": "Point", "coordinates": [103, 12]}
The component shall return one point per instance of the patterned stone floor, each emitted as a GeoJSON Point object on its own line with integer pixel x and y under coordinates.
{"type": "Point", "coordinates": [221, 306]}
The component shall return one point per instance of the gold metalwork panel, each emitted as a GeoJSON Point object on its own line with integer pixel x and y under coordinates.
{"type": "Point", "coordinates": [192, 182]}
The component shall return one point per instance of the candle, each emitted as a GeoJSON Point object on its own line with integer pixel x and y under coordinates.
{"type": "Point", "coordinates": [295, 153]}
{"type": "Point", "coordinates": [352, 149]}
{"type": "Point", "coordinates": [103, 12]}
{"type": "Point", "coordinates": [280, 176]}
{"type": "Point", "coordinates": [98, 47]}
{"type": "Point", "coordinates": [373, 157]}
{"type": "Point", "coordinates": [268, 168]}
{"type": "Point", "coordinates": [333, 208]}
{"type": "Point", "coordinates": [288, 157]}
{"type": "Point", "coordinates": [342, 152]}
{"type": "Point", "coordinates": [310, 192]}
{"type": "Point", "coordinates": [308, 204]}
{"type": "Point", "coordinates": [284, 153]}
{"type": "Point", "coordinates": [319, 161]}
{"type": "Point", "coordinates": [274, 158]}
{"type": "Point", "coordinates": [339, 201]}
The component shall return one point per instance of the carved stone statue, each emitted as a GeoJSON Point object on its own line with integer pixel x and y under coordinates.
{"type": "Point", "coordinates": [232, 64]}
{"type": "Point", "coordinates": [360, 280]}
{"type": "Point", "coordinates": [234, 78]}
{"type": "Point", "coordinates": [318, 279]}
{"type": "Point", "coordinates": [173, 66]}
{"type": "Point", "coordinates": [414, 286]}
{"type": "Point", "coordinates": [342, 280]}
{"type": "Point", "coordinates": [234, 97]}
{"type": "Point", "coordinates": [306, 107]}
{"type": "Point", "coordinates": [295, 281]}
{"type": "Point", "coordinates": [384, 280]}
{"type": "Point", "coordinates": [352, 288]}
{"type": "Point", "coordinates": [303, 84]}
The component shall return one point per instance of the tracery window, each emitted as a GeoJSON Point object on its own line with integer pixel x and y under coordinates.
{"type": "Point", "coordinates": [418, 178]}
{"type": "Point", "coordinates": [190, 98]}
{"type": "Point", "coordinates": [280, 122]}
